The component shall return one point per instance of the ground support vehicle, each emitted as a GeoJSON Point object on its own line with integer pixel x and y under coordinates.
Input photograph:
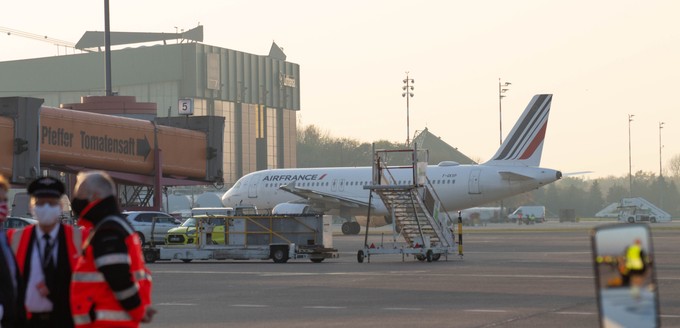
{"type": "Point", "coordinates": [638, 209]}
{"type": "Point", "coordinates": [525, 213]}
{"type": "Point", "coordinates": [632, 214]}
{"type": "Point", "coordinates": [416, 212]}
{"type": "Point", "coordinates": [254, 237]}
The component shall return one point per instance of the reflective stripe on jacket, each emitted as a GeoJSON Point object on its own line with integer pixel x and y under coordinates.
{"type": "Point", "coordinates": [93, 303]}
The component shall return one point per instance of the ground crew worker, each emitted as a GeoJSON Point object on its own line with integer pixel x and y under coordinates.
{"type": "Point", "coordinates": [46, 254]}
{"type": "Point", "coordinates": [111, 286]}
{"type": "Point", "coordinates": [12, 314]}
{"type": "Point", "coordinates": [635, 265]}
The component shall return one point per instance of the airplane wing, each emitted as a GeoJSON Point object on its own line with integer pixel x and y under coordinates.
{"type": "Point", "coordinates": [322, 199]}
{"type": "Point", "coordinates": [512, 176]}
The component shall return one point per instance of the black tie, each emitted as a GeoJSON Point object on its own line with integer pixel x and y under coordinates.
{"type": "Point", "coordinates": [49, 268]}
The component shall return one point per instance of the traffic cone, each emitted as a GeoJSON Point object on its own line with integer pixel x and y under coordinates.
{"type": "Point", "coordinates": [372, 245]}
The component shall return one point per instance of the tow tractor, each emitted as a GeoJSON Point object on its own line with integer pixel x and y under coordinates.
{"type": "Point", "coordinates": [252, 237]}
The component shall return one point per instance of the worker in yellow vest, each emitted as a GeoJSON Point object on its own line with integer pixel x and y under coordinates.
{"type": "Point", "coordinates": [634, 264]}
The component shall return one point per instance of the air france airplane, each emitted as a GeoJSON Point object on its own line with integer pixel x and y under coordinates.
{"type": "Point", "coordinates": [339, 191]}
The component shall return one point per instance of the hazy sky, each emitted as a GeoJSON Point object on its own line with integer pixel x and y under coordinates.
{"type": "Point", "coordinates": [602, 60]}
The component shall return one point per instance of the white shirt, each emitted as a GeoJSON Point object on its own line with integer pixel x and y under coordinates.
{"type": "Point", "coordinates": [34, 301]}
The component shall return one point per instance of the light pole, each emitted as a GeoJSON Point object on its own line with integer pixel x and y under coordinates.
{"type": "Point", "coordinates": [502, 89]}
{"type": "Point", "coordinates": [660, 146]}
{"type": "Point", "coordinates": [107, 49]}
{"type": "Point", "coordinates": [407, 88]}
{"type": "Point", "coordinates": [630, 162]}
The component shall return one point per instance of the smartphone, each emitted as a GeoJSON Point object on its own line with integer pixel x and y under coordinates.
{"type": "Point", "coordinates": [625, 277]}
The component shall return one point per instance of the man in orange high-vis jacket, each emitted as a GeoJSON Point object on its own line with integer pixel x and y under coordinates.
{"type": "Point", "coordinates": [46, 254]}
{"type": "Point", "coordinates": [111, 286]}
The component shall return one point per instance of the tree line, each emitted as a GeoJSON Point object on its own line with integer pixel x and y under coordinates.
{"type": "Point", "coordinates": [316, 148]}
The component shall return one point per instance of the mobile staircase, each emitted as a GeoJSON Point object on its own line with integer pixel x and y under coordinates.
{"type": "Point", "coordinates": [417, 212]}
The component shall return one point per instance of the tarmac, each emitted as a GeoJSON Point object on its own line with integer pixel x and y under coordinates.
{"type": "Point", "coordinates": [509, 276]}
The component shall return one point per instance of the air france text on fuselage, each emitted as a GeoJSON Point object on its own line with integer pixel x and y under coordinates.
{"type": "Point", "coordinates": [294, 177]}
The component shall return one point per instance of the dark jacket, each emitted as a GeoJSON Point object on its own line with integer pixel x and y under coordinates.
{"type": "Point", "coordinates": [13, 303]}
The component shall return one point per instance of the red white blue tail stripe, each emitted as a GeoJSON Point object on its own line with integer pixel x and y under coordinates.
{"type": "Point", "coordinates": [524, 144]}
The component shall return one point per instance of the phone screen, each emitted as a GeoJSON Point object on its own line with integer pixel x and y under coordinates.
{"type": "Point", "coordinates": [625, 278]}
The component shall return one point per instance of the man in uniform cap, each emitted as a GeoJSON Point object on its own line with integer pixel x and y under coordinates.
{"type": "Point", "coordinates": [46, 254]}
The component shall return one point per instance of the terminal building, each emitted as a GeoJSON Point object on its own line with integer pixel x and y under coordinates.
{"type": "Point", "coordinates": [258, 95]}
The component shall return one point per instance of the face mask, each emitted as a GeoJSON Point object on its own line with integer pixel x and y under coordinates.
{"type": "Point", "coordinates": [46, 214]}
{"type": "Point", "coordinates": [78, 205]}
{"type": "Point", "coordinates": [3, 211]}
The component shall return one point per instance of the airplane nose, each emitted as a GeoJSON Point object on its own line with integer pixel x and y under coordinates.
{"type": "Point", "coordinates": [558, 175]}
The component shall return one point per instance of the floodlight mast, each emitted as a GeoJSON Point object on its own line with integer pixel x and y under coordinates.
{"type": "Point", "coordinates": [107, 40]}
{"type": "Point", "coordinates": [407, 88]}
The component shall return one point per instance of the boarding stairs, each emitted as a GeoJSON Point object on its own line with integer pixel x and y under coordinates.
{"type": "Point", "coordinates": [415, 221]}
{"type": "Point", "coordinates": [414, 207]}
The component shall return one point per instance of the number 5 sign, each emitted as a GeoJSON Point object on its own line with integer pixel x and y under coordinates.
{"type": "Point", "coordinates": [186, 106]}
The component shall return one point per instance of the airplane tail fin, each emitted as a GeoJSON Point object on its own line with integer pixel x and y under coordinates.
{"type": "Point", "coordinates": [524, 144]}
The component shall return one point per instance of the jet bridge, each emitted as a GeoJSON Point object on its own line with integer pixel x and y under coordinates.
{"type": "Point", "coordinates": [416, 210]}
{"type": "Point", "coordinates": [145, 155]}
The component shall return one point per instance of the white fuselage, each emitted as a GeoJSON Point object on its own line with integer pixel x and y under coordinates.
{"type": "Point", "coordinates": [458, 186]}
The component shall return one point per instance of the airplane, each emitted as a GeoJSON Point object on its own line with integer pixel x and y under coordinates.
{"type": "Point", "coordinates": [340, 190]}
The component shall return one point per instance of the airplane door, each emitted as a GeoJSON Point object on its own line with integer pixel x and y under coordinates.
{"type": "Point", "coordinates": [341, 187]}
{"type": "Point", "coordinates": [473, 183]}
{"type": "Point", "coordinates": [252, 189]}
{"type": "Point", "coordinates": [334, 185]}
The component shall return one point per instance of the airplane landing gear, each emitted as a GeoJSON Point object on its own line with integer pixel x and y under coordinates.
{"type": "Point", "coordinates": [350, 228]}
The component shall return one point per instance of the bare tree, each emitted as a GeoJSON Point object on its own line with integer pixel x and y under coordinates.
{"type": "Point", "coordinates": [674, 165]}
